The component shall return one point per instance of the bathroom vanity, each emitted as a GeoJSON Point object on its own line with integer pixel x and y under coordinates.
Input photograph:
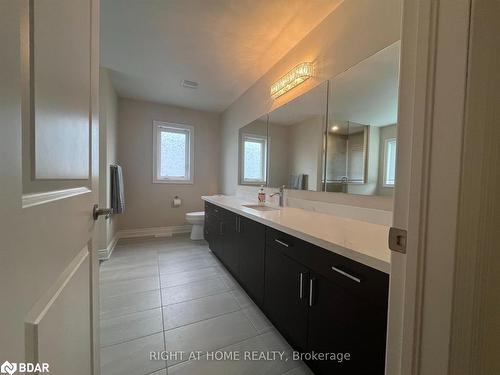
{"type": "Point", "coordinates": [321, 279]}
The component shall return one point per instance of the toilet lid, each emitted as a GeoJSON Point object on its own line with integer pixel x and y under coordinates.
{"type": "Point", "coordinates": [196, 214]}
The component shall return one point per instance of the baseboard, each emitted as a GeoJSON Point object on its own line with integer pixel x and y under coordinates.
{"type": "Point", "coordinates": [154, 232]}
{"type": "Point", "coordinates": [104, 254]}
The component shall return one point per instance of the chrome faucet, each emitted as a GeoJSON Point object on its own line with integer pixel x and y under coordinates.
{"type": "Point", "coordinates": [281, 193]}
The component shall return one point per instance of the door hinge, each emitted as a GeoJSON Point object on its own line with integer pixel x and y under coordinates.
{"type": "Point", "coordinates": [397, 240]}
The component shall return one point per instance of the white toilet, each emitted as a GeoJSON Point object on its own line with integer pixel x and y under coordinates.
{"type": "Point", "coordinates": [197, 219]}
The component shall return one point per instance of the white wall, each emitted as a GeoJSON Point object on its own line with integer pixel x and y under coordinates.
{"type": "Point", "coordinates": [108, 123]}
{"type": "Point", "coordinates": [336, 44]}
{"type": "Point", "coordinates": [150, 205]}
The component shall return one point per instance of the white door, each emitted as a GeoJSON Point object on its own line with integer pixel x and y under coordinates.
{"type": "Point", "coordinates": [48, 184]}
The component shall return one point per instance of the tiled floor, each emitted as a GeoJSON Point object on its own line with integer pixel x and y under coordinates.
{"type": "Point", "coordinates": [173, 293]}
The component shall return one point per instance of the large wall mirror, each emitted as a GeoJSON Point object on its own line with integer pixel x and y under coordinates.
{"type": "Point", "coordinates": [361, 134]}
{"type": "Point", "coordinates": [296, 132]}
{"type": "Point", "coordinates": [338, 137]}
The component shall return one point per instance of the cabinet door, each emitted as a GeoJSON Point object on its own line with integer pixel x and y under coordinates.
{"type": "Point", "coordinates": [252, 241]}
{"type": "Point", "coordinates": [230, 241]}
{"type": "Point", "coordinates": [341, 322]}
{"type": "Point", "coordinates": [214, 234]}
{"type": "Point", "coordinates": [285, 299]}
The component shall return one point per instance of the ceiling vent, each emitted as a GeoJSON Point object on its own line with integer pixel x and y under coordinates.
{"type": "Point", "coordinates": [189, 84]}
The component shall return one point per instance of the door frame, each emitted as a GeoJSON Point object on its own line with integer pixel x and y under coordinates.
{"type": "Point", "coordinates": [432, 285]}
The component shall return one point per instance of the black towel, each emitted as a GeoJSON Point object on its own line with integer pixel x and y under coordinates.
{"type": "Point", "coordinates": [117, 196]}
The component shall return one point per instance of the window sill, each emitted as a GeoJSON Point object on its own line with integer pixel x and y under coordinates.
{"type": "Point", "coordinates": [174, 182]}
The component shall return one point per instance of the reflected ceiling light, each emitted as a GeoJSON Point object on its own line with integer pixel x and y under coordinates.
{"type": "Point", "coordinates": [335, 128]}
{"type": "Point", "coordinates": [292, 79]}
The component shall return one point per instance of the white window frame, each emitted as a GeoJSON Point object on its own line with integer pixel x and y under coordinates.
{"type": "Point", "coordinates": [158, 127]}
{"type": "Point", "coordinates": [264, 140]}
{"type": "Point", "coordinates": [386, 149]}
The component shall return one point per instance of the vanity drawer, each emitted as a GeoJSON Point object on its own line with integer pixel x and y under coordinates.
{"type": "Point", "coordinates": [212, 209]}
{"type": "Point", "coordinates": [362, 280]}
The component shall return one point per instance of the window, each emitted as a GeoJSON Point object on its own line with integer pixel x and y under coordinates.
{"type": "Point", "coordinates": [254, 159]}
{"type": "Point", "coordinates": [173, 153]}
{"type": "Point", "coordinates": [390, 162]}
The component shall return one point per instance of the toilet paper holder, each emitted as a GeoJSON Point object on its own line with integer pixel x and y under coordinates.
{"type": "Point", "coordinates": [176, 202]}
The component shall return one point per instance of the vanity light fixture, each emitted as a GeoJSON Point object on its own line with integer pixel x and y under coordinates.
{"type": "Point", "coordinates": [292, 79]}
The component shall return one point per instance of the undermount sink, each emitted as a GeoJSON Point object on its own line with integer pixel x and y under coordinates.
{"type": "Point", "coordinates": [260, 208]}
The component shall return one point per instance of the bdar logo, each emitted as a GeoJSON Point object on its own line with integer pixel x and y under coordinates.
{"type": "Point", "coordinates": [8, 368]}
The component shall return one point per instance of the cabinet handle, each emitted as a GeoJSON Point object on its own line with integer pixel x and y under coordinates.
{"type": "Point", "coordinates": [239, 224]}
{"type": "Point", "coordinates": [281, 242]}
{"type": "Point", "coordinates": [221, 228]}
{"type": "Point", "coordinates": [357, 279]}
{"type": "Point", "coordinates": [311, 290]}
{"type": "Point", "coordinates": [301, 285]}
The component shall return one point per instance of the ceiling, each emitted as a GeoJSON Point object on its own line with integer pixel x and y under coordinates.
{"type": "Point", "coordinates": [150, 46]}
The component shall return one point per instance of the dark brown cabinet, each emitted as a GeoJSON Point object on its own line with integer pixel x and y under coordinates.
{"type": "Point", "coordinates": [285, 296]}
{"type": "Point", "coordinates": [320, 301]}
{"type": "Point", "coordinates": [251, 246]}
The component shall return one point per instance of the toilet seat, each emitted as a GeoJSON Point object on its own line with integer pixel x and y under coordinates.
{"type": "Point", "coordinates": [196, 214]}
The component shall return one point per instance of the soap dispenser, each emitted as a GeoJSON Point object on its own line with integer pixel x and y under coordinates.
{"type": "Point", "coordinates": [262, 196]}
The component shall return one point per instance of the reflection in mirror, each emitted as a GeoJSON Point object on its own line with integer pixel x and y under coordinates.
{"type": "Point", "coordinates": [361, 136]}
{"type": "Point", "coordinates": [296, 150]}
{"type": "Point", "coordinates": [253, 153]}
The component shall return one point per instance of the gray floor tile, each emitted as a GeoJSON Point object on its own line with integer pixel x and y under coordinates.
{"type": "Point", "coordinates": [185, 265]}
{"type": "Point", "coordinates": [301, 370]}
{"type": "Point", "coordinates": [184, 277]}
{"type": "Point", "coordinates": [257, 318]}
{"type": "Point", "coordinates": [128, 273]}
{"type": "Point", "coordinates": [197, 289]}
{"type": "Point", "coordinates": [183, 313]}
{"type": "Point", "coordinates": [129, 303]}
{"type": "Point", "coordinates": [120, 287]}
{"type": "Point", "coordinates": [132, 357]}
{"type": "Point", "coordinates": [209, 334]}
{"type": "Point", "coordinates": [131, 326]}
{"type": "Point", "coordinates": [242, 298]}
{"type": "Point", "coordinates": [267, 342]}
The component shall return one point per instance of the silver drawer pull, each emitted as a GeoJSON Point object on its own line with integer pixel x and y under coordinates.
{"type": "Point", "coordinates": [311, 290]}
{"type": "Point", "coordinates": [301, 285]}
{"type": "Point", "coordinates": [357, 279]}
{"type": "Point", "coordinates": [281, 242]}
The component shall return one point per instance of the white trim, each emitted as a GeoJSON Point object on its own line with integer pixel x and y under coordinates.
{"type": "Point", "coordinates": [384, 176]}
{"type": "Point", "coordinates": [35, 199]}
{"type": "Point", "coordinates": [154, 232]}
{"type": "Point", "coordinates": [105, 254]}
{"type": "Point", "coordinates": [157, 127]}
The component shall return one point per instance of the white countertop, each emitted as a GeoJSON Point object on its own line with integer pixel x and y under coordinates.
{"type": "Point", "coordinates": [358, 240]}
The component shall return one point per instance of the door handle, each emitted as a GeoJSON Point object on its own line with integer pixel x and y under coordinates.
{"type": "Point", "coordinates": [311, 290]}
{"type": "Point", "coordinates": [96, 212]}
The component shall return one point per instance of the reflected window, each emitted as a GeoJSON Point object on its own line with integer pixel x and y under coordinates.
{"type": "Point", "coordinates": [254, 159]}
{"type": "Point", "coordinates": [390, 162]}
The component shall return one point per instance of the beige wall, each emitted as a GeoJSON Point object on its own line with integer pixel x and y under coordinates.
{"type": "Point", "coordinates": [336, 44]}
{"type": "Point", "coordinates": [147, 204]}
{"type": "Point", "coordinates": [305, 151]}
{"type": "Point", "coordinates": [108, 122]}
